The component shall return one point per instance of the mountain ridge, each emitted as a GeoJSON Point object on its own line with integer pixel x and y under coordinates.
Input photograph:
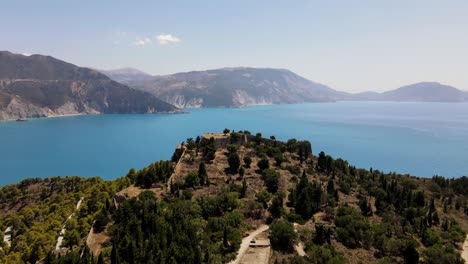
{"type": "Point", "coordinates": [41, 86]}
{"type": "Point", "coordinates": [236, 87]}
{"type": "Point", "coordinates": [198, 88]}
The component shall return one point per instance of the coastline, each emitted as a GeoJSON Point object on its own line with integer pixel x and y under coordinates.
{"type": "Point", "coordinates": [82, 114]}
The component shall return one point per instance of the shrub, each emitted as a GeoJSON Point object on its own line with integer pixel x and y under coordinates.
{"type": "Point", "coordinates": [263, 164]}
{"type": "Point", "coordinates": [247, 161]}
{"type": "Point", "coordinates": [192, 179]}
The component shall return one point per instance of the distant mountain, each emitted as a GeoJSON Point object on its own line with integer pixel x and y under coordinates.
{"type": "Point", "coordinates": [40, 86]}
{"type": "Point", "coordinates": [426, 92]}
{"type": "Point", "coordinates": [236, 87]}
{"type": "Point", "coordinates": [364, 96]}
{"type": "Point", "coordinates": [418, 92]}
{"type": "Point", "coordinates": [126, 75]}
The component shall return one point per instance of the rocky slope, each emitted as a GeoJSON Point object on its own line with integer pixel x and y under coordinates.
{"type": "Point", "coordinates": [41, 86]}
{"type": "Point", "coordinates": [236, 87]}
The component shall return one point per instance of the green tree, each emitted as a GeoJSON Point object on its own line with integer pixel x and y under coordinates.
{"type": "Point", "coordinates": [231, 148]}
{"type": "Point", "coordinates": [263, 197]}
{"type": "Point", "coordinates": [202, 174]}
{"type": "Point", "coordinates": [114, 256]}
{"type": "Point", "coordinates": [234, 162]}
{"type": "Point", "coordinates": [430, 238]}
{"type": "Point", "coordinates": [243, 190]}
{"type": "Point", "coordinates": [352, 228]}
{"type": "Point", "coordinates": [71, 238]}
{"type": "Point", "coordinates": [307, 198]}
{"type": "Point", "coordinates": [192, 180]}
{"type": "Point", "coordinates": [102, 220]}
{"type": "Point", "coordinates": [365, 206]}
{"type": "Point", "coordinates": [247, 161]}
{"type": "Point", "coordinates": [100, 259]}
{"type": "Point", "coordinates": [324, 254]}
{"type": "Point", "coordinates": [440, 254]}
{"type": "Point", "coordinates": [132, 175]}
{"type": "Point", "coordinates": [263, 164]}
{"type": "Point", "coordinates": [276, 208]}
{"type": "Point", "coordinates": [283, 237]}
{"type": "Point", "coordinates": [279, 159]}
{"type": "Point", "coordinates": [241, 171]}
{"type": "Point", "coordinates": [410, 253]}
{"type": "Point", "coordinates": [271, 177]}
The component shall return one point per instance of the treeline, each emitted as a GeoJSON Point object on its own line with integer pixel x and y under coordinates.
{"type": "Point", "coordinates": [158, 172]}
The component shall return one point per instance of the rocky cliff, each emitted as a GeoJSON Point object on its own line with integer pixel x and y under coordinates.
{"type": "Point", "coordinates": [41, 86]}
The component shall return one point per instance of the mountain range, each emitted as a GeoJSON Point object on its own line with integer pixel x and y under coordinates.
{"type": "Point", "coordinates": [242, 86]}
{"type": "Point", "coordinates": [41, 86]}
{"type": "Point", "coordinates": [235, 87]}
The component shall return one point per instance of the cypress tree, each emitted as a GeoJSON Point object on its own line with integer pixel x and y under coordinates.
{"type": "Point", "coordinates": [202, 174]}
{"type": "Point", "coordinates": [100, 259]}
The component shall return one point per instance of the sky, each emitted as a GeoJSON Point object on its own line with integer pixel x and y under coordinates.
{"type": "Point", "coordinates": [349, 45]}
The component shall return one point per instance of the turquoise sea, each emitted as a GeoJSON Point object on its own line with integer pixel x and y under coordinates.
{"type": "Point", "coordinates": [422, 139]}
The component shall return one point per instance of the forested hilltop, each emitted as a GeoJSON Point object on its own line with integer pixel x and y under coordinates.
{"type": "Point", "coordinates": [236, 197]}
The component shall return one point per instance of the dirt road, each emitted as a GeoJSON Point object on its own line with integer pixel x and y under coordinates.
{"type": "Point", "coordinates": [465, 250]}
{"type": "Point", "coordinates": [246, 242]}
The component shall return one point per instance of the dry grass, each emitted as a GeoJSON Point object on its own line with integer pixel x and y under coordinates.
{"type": "Point", "coordinates": [96, 241]}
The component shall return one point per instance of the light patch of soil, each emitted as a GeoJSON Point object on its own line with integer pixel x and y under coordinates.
{"type": "Point", "coordinates": [134, 191]}
{"type": "Point", "coordinates": [95, 241]}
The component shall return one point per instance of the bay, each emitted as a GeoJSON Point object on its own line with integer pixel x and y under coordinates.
{"type": "Point", "coordinates": [423, 139]}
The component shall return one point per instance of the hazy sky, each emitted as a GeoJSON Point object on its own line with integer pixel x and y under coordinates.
{"type": "Point", "coordinates": [350, 45]}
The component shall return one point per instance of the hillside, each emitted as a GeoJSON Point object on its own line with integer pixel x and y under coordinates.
{"type": "Point", "coordinates": [126, 75]}
{"type": "Point", "coordinates": [289, 205]}
{"type": "Point", "coordinates": [41, 86]}
{"type": "Point", "coordinates": [235, 87]}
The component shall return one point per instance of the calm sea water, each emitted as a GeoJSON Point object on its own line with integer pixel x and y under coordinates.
{"type": "Point", "coordinates": [418, 138]}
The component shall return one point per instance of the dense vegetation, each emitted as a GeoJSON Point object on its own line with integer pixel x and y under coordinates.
{"type": "Point", "coordinates": [231, 184]}
{"type": "Point", "coordinates": [36, 209]}
{"type": "Point", "coordinates": [177, 230]}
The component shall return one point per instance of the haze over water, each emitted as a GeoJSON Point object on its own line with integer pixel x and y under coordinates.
{"type": "Point", "coordinates": [422, 139]}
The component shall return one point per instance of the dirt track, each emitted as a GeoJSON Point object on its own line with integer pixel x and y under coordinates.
{"type": "Point", "coordinates": [246, 242]}
{"type": "Point", "coordinates": [465, 250]}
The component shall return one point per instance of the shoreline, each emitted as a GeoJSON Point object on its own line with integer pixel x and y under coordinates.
{"type": "Point", "coordinates": [68, 115]}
